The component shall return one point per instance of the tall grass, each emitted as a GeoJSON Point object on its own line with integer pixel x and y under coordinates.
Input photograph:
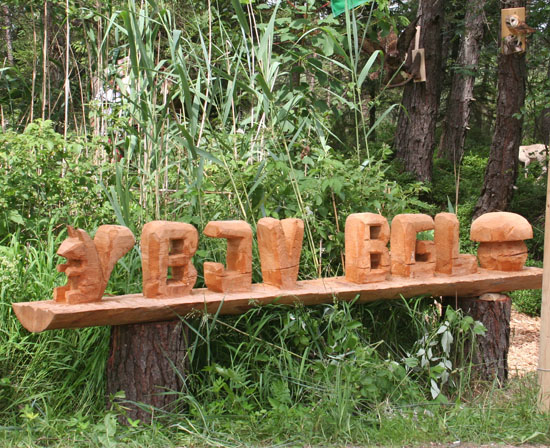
{"type": "Point", "coordinates": [54, 372]}
{"type": "Point", "coordinates": [206, 100]}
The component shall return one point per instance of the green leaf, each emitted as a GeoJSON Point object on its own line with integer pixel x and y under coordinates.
{"type": "Point", "coordinates": [366, 69]}
{"type": "Point", "coordinates": [15, 217]}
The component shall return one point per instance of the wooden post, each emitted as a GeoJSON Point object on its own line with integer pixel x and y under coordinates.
{"type": "Point", "coordinates": [490, 353]}
{"type": "Point", "coordinates": [148, 362]}
{"type": "Point", "coordinates": [544, 350]}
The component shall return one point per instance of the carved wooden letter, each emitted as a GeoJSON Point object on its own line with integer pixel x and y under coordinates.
{"type": "Point", "coordinates": [280, 246]}
{"type": "Point", "coordinates": [168, 245]}
{"type": "Point", "coordinates": [367, 254]}
{"type": "Point", "coordinates": [447, 258]}
{"type": "Point", "coordinates": [90, 262]}
{"type": "Point", "coordinates": [238, 275]}
{"type": "Point", "coordinates": [501, 236]}
{"type": "Point", "coordinates": [411, 257]}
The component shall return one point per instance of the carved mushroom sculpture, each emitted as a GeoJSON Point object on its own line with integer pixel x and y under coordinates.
{"type": "Point", "coordinates": [501, 236]}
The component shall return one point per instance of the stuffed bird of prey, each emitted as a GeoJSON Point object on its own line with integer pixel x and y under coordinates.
{"type": "Point", "coordinates": [395, 51]}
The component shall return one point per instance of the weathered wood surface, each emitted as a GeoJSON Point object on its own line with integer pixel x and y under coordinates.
{"type": "Point", "coordinates": [544, 341]}
{"type": "Point", "coordinates": [146, 361]}
{"type": "Point", "coordinates": [90, 262]}
{"type": "Point", "coordinates": [47, 315]}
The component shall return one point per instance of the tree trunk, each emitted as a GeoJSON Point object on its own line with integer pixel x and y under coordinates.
{"type": "Point", "coordinates": [147, 361]}
{"type": "Point", "coordinates": [502, 168]}
{"type": "Point", "coordinates": [9, 39]}
{"type": "Point", "coordinates": [462, 86]}
{"type": "Point", "coordinates": [415, 136]}
{"type": "Point", "coordinates": [46, 25]}
{"type": "Point", "coordinates": [490, 354]}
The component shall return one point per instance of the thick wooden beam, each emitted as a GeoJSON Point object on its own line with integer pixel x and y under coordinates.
{"type": "Point", "coordinates": [48, 315]}
{"type": "Point", "coordinates": [544, 345]}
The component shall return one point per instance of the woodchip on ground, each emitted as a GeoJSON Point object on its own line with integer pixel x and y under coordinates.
{"type": "Point", "coordinates": [524, 344]}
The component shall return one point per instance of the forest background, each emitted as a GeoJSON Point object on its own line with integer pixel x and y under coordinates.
{"type": "Point", "coordinates": [129, 111]}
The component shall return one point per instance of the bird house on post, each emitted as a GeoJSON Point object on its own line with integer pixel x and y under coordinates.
{"type": "Point", "coordinates": [514, 30]}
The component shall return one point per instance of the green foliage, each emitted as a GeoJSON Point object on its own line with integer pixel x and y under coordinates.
{"type": "Point", "coordinates": [44, 178]}
{"type": "Point", "coordinates": [51, 372]}
{"type": "Point", "coordinates": [527, 302]}
{"type": "Point", "coordinates": [240, 111]}
{"type": "Point", "coordinates": [302, 372]}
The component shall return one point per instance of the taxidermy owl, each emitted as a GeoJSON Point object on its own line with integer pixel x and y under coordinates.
{"type": "Point", "coordinates": [395, 51]}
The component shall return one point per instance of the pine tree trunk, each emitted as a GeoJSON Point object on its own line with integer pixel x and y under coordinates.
{"type": "Point", "coordinates": [146, 362]}
{"type": "Point", "coordinates": [502, 168]}
{"type": "Point", "coordinates": [9, 39]}
{"type": "Point", "coordinates": [490, 353]}
{"type": "Point", "coordinates": [415, 136]}
{"type": "Point", "coordinates": [45, 45]}
{"type": "Point", "coordinates": [462, 86]}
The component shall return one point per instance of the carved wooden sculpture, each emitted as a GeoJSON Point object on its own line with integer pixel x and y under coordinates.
{"type": "Point", "coordinates": [501, 236]}
{"type": "Point", "coordinates": [169, 276]}
{"type": "Point", "coordinates": [280, 246]}
{"type": "Point", "coordinates": [446, 238]}
{"type": "Point", "coordinates": [367, 254]}
{"type": "Point", "coordinates": [90, 262]}
{"type": "Point", "coordinates": [165, 246]}
{"type": "Point", "coordinates": [238, 275]}
{"type": "Point", "coordinates": [411, 257]}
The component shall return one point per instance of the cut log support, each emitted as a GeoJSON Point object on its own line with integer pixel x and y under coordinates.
{"type": "Point", "coordinates": [147, 362]}
{"type": "Point", "coordinates": [490, 353]}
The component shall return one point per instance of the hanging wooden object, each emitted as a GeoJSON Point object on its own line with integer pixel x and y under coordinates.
{"type": "Point", "coordinates": [419, 52]}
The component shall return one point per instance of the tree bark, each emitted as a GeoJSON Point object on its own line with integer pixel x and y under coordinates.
{"type": "Point", "coordinates": [502, 167]}
{"type": "Point", "coordinates": [415, 136]}
{"type": "Point", "coordinates": [462, 85]}
{"type": "Point", "coordinates": [9, 39]}
{"type": "Point", "coordinates": [489, 356]}
{"type": "Point", "coordinates": [46, 25]}
{"type": "Point", "coordinates": [146, 362]}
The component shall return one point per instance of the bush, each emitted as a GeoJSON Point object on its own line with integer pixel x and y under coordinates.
{"type": "Point", "coordinates": [528, 301]}
{"type": "Point", "coordinates": [42, 176]}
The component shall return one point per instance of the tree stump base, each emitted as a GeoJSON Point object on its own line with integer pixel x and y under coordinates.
{"type": "Point", "coordinates": [146, 361]}
{"type": "Point", "coordinates": [490, 354]}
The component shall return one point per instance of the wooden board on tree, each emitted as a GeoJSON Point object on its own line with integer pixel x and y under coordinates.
{"type": "Point", "coordinates": [47, 315]}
